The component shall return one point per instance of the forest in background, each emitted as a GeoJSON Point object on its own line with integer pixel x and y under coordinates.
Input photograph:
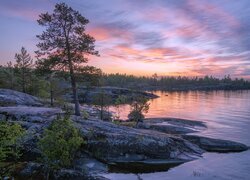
{"type": "Point", "coordinates": [172, 83]}
{"type": "Point", "coordinates": [36, 82]}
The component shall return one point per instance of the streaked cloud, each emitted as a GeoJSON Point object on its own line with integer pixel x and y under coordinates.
{"type": "Point", "coordinates": [184, 37]}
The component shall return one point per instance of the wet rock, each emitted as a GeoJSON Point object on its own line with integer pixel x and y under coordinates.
{"type": "Point", "coordinates": [172, 125]}
{"type": "Point", "coordinates": [86, 163]}
{"type": "Point", "coordinates": [146, 166]}
{"type": "Point", "coordinates": [13, 98]}
{"type": "Point", "coordinates": [70, 174]}
{"type": "Point", "coordinates": [216, 145]}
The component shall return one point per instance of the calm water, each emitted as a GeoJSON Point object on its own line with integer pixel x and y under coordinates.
{"type": "Point", "coordinates": [227, 115]}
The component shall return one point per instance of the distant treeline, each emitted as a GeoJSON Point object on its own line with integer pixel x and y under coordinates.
{"type": "Point", "coordinates": [27, 77]}
{"type": "Point", "coordinates": [174, 83]}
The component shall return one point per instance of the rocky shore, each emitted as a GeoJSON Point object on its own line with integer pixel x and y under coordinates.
{"type": "Point", "coordinates": [158, 143]}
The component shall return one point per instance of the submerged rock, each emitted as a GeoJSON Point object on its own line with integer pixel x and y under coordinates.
{"type": "Point", "coordinates": [216, 145]}
{"type": "Point", "coordinates": [14, 98]}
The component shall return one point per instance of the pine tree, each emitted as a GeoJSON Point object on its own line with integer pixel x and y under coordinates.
{"type": "Point", "coordinates": [23, 65]}
{"type": "Point", "coordinates": [65, 43]}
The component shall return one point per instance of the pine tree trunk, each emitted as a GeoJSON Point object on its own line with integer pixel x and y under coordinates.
{"type": "Point", "coordinates": [75, 95]}
{"type": "Point", "coordinates": [74, 89]}
{"type": "Point", "coordinates": [72, 77]}
{"type": "Point", "coordinates": [23, 81]}
{"type": "Point", "coordinates": [51, 97]}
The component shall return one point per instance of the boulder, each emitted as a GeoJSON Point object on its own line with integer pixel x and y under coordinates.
{"type": "Point", "coordinates": [14, 98]}
{"type": "Point", "coordinates": [216, 145]}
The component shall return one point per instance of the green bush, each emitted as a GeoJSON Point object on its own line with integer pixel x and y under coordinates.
{"type": "Point", "coordinates": [10, 146]}
{"type": "Point", "coordinates": [9, 142]}
{"type": "Point", "coordinates": [139, 107]}
{"type": "Point", "coordinates": [59, 144]}
{"type": "Point", "coordinates": [85, 114]}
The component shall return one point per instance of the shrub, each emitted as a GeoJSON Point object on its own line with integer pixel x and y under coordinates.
{"type": "Point", "coordinates": [85, 114]}
{"type": "Point", "coordinates": [59, 144]}
{"type": "Point", "coordinates": [10, 146]}
{"type": "Point", "coordinates": [139, 106]}
{"type": "Point", "coordinates": [9, 142]}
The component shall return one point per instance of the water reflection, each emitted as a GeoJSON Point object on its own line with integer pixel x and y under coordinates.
{"type": "Point", "coordinates": [227, 115]}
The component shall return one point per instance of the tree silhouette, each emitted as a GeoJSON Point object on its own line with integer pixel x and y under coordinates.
{"type": "Point", "coordinates": [65, 43]}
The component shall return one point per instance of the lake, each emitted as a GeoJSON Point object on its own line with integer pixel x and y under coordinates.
{"type": "Point", "coordinates": [227, 116]}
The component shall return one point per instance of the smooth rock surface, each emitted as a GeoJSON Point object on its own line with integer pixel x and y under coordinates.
{"type": "Point", "coordinates": [172, 125]}
{"type": "Point", "coordinates": [216, 145]}
{"type": "Point", "coordinates": [14, 98]}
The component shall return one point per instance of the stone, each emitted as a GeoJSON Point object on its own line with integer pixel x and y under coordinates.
{"type": "Point", "coordinates": [14, 98]}
{"type": "Point", "coordinates": [30, 114]}
{"type": "Point", "coordinates": [172, 125]}
{"type": "Point", "coordinates": [216, 145]}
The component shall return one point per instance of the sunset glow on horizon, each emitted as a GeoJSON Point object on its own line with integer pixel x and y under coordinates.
{"type": "Point", "coordinates": [143, 37]}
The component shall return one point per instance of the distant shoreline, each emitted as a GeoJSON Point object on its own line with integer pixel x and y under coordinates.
{"type": "Point", "coordinates": [196, 88]}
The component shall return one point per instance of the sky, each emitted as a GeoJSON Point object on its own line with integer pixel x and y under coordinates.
{"type": "Point", "coordinates": [143, 37]}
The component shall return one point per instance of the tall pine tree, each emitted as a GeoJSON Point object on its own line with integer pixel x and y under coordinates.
{"type": "Point", "coordinates": [64, 44]}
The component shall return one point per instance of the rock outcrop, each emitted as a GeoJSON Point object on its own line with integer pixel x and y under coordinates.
{"type": "Point", "coordinates": [14, 98]}
{"type": "Point", "coordinates": [157, 144]}
{"type": "Point", "coordinates": [115, 144]}
{"type": "Point", "coordinates": [216, 145]}
{"type": "Point", "coordinates": [183, 127]}
{"type": "Point", "coordinates": [172, 125]}
{"type": "Point", "coordinates": [107, 141]}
